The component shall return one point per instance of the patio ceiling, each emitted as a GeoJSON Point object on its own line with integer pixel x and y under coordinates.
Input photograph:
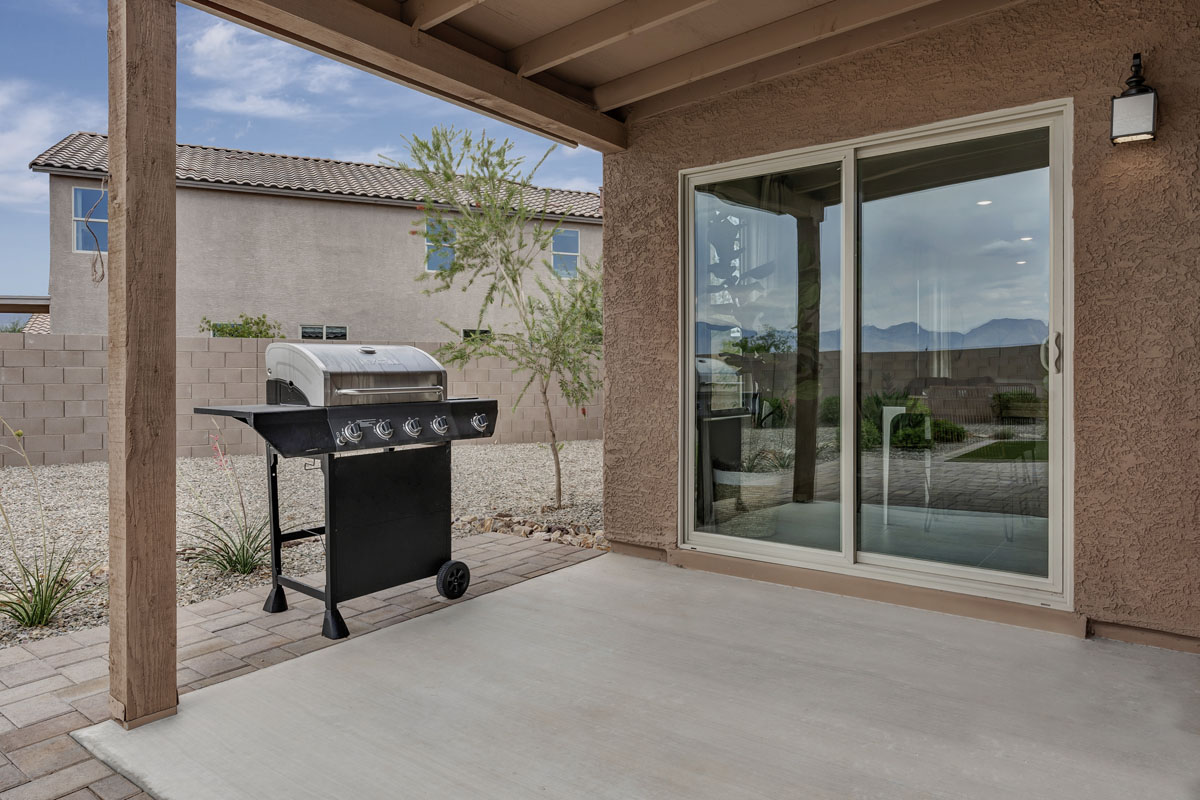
{"type": "Point", "coordinates": [579, 70]}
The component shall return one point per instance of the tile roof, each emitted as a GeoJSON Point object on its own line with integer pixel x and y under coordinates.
{"type": "Point", "coordinates": [37, 323]}
{"type": "Point", "coordinates": [88, 152]}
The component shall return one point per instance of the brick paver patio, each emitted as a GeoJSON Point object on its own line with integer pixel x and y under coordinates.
{"type": "Point", "coordinates": [51, 687]}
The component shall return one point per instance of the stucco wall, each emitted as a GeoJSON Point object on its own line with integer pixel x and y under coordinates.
{"type": "Point", "coordinates": [1137, 256]}
{"type": "Point", "coordinates": [300, 261]}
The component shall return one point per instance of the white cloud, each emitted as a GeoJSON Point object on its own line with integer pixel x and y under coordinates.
{"type": "Point", "coordinates": [240, 72]}
{"type": "Point", "coordinates": [31, 120]}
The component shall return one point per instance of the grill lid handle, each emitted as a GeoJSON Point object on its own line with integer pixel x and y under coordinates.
{"type": "Point", "coordinates": [367, 349]}
{"type": "Point", "coordinates": [441, 390]}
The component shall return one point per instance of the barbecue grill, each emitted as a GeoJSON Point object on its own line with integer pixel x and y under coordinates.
{"type": "Point", "coordinates": [378, 420]}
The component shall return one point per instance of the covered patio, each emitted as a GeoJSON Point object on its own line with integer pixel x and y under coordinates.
{"type": "Point", "coordinates": [622, 677]}
{"type": "Point", "coordinates": [627, 677]}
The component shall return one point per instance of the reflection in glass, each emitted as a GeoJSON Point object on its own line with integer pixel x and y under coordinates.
{"type": "Point", "coordinates": [767, 320]}
{"type": "Point", "coordinates": [954, 282]}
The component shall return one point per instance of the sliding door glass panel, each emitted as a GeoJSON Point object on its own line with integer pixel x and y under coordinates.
{"type": "Point", "coordinates": [953, 389]}
{"type": "Point", "coordinates": [767, 278]}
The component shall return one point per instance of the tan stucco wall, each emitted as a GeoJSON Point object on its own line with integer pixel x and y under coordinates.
{"type": "Point", "coordinates": [300, 261]}
{"type": "Point", "coordinates": [1136, 269]}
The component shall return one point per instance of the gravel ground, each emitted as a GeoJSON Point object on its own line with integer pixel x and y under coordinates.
{"type": "Point", "coordinates": [516, 479]}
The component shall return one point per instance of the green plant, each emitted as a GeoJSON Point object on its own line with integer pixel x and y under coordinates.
{"type": "Point", "coordinates": [873, 405]}
{"type": "Point", "coordinates": [246, 327]}
{"type": "Point", "coordinates": [946, 431]}
{"type": "Point", "coordinates": [869, 436]}
{"type": "Point", "coordinates": [236, 540]}
{"type": "Point", "coordinates": [13, 326]}
{"type": "Point", "coordinates": [41, 585]}
{"type": "Point", "coordinates": [1004, 433]}
{"type": "Point", "coordinates": [911, 437]}
{"type": "Point", "coordinates": [770, 460]}
{"type": "Point", "coordinates": [478, 198]}
{"type": "Point", "coordinates": [830, 412]}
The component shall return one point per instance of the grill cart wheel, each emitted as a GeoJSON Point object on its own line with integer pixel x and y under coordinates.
{"type": "Point", "coordinates": [453, 579]}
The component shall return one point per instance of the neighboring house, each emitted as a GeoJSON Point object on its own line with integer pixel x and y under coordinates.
{"type": "Point", "coordinates": [37, 323]}
{"type": "Point", "coordinates": [324, 247]}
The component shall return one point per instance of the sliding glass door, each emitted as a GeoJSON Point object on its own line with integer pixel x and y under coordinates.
{"type": "Point", "coordinates": [873, 357]}
{"type": "Point", "coordinates": [954, 321]}
{"type": "Point", "coordinates": [767, 300]}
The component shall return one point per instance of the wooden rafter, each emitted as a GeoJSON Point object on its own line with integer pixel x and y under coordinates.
{"type": "Point", "coordinates": [599, 30]}
{"type": "Point", "coordinates": [424, 14]}
{"type": "Point", "coordinates": [358, 35]}
{"type": "Point", "coordinates": [815, 24]}
{"type": "Point", "coordinates": [867, 37]}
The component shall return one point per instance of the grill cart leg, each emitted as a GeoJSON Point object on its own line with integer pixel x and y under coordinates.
{"type": "Point", "coordinates": [333, 627]}
{"type": "Point", "coordinates": [276, 601]}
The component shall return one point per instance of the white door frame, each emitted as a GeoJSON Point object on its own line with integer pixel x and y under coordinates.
{"type": "Point", "coordinates": [1056, 590]}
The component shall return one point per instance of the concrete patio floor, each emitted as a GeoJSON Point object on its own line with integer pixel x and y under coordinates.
{"type": "Point", "coordinates": [624, 678]}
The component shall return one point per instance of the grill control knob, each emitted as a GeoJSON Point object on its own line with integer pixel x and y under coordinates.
{"type": "Point", "coordinates": [440, 426]}
{"type": "Point", "coordinates": [479, 422]}
{"type": "Point", "coordinates": [384, 429]}
{"type": "Point", "coordinates": [413, 427]}
{"type": "Point", "coordinates": [352, 432]}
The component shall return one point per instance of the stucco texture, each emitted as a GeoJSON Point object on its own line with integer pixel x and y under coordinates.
{"type": "Point", "coordinates": [299, 260]}
{"type": "Point", "coordinates": [1137, 255]}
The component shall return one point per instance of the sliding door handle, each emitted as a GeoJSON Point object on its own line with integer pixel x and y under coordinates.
{"type": "Point", "coordinates": [1058, 353]}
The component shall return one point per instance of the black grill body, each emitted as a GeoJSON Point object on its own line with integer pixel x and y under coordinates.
{"type": "Point", "coordinates": [386, 469]}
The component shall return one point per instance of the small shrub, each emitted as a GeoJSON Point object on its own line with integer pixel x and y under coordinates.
{"type": "Point", "coordinates": [238, 540]}
{"type": "Point", "coordinates": [869, 437]}
{"type": "Point", "coordinates": [767, 460]}
{"type": "Point", "coordinates": [40, 586]}
{"type": "Point", "coordinates": [1002, 434]}
{"type": "Point", "coordinates": [946, 431]}
{"type": "Point", "coordinates": [911, 437]}
{"type": "Point", "coordinates": [246, 327]}
{"type": "Point", "coordinates": [873, 405]}
{"type": "Point", "coordinates": [830, 413]}
{"type": "Point", "coordinates": [12, 326]}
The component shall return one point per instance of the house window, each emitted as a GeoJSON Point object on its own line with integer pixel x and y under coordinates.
{"type": "Point", "coordinates": [89, 220]}
{"type": "Point", "coordinates": [565, 253]}
{"type": "Point", "coordinates": [439, 255]}
{"type": "Point", "coordinates": [333, 333]}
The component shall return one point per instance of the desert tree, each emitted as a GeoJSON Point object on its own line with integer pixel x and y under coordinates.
{"type": "Point", "coordinates": [486, 223]}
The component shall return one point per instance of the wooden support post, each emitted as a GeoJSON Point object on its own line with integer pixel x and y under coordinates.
{"type": "Point", "coordinates": [141, 360]}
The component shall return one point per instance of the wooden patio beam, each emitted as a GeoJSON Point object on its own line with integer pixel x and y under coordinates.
{"type": "Point", "coordinates": [357, 35]}
{"type": "Point", "coordinates": [424, 14]}
{"type": "Point", "coordinates": [599, 30]}
{"type": "Point", "coordinates": [813, 25]}
{"type": "Point", "coordinates": [141, 360]}
{"type": "Point", "coordinates": [877, 34]}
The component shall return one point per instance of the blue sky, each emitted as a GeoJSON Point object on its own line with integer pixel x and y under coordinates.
{"type": "Point", "coordinates": [236, 88]}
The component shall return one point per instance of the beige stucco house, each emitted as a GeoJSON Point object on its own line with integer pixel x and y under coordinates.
{"type": "Point", "coordinates": [326, 248]}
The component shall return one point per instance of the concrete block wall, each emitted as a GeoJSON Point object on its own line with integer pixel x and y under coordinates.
{"type": "Point", "coordinates": [54, 388]}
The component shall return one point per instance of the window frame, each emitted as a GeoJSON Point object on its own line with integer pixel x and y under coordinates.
{"type": "Point", "coordinates": [324, 332]}
{"type": "Point", "coordinates": [75, 219]}
{"type": "Point", "coordinates": [555, 252]}
{"type": "Point", "coordinates": [430, 246]}
{"type": "Point", "coordinates": [1055, 591]}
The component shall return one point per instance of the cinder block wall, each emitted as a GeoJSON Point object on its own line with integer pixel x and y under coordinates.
{"type": "Point", "coordinates": [54, 388]}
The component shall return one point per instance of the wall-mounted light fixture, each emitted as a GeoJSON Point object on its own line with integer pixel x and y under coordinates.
{"type": "Point", "coordinates": [1135, 110]}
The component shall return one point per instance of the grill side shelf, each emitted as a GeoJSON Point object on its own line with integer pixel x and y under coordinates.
{"type": "Point", "coordinates": [292, 430]}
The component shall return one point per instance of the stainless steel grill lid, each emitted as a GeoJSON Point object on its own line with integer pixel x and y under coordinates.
{"type": "Point", "coordinates": [350, 374]}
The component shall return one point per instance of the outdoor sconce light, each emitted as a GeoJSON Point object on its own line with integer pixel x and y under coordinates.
{"type": "Point", "coordinates": [1134, 111]}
